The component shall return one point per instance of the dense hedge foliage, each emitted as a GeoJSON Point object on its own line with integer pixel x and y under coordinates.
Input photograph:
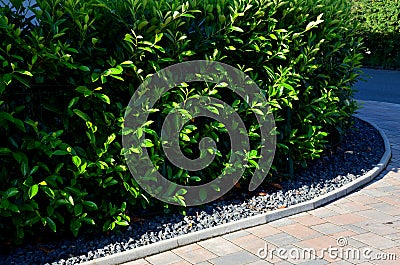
{"type": "Point", "coordinates": [68, 73]}
{"type": "Point", "coordinates": [379, 26]}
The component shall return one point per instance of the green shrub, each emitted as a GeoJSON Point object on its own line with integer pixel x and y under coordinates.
{"type": "Point", "coordinates": [379, 26]}
{"type": "Point", "coordinates": [68, 75]}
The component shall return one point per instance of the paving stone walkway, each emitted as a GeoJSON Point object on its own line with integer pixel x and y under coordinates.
{"type": "Point", "coordinates": [361, 228]}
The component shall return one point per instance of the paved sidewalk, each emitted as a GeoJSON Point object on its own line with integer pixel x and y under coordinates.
{"type": "Point", "coordinates": [357, 229]}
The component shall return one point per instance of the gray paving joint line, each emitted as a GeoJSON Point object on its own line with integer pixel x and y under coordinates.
{"type": "Point", "coordinates": [169, 244]}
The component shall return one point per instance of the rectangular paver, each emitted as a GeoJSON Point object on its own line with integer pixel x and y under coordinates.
{"type": "Point", "coordinates": [355, 243]}
{"type": "Point", "coordinates": [362, 198]}
{"type": "Point", "coordinates": [374, 193]}
{"type": "Point", "coordinates": [377, 216]}
{"type": "Point", "coordinates": [251, 243]}
{"type": "Point", "coordinates": [354, 228]}
{"type": "Point", "coordinates": [337, 209]}
{"type": "Point", "coordinates": [378, 228]}
{"type": "Point", "coordinates": [389, 189]}
{"type": "Point", "coordinates": [237, 258]}
{"type": "Point", "coordinates": [281, 239]}
{"type": "Point", "coordinates": [300, 231]}
{"type": "Point", "coordinates": [348, 218]}
{"type": "Point", "coordinates": [263, 230]}
{"type": "Point", "coordinates": [366, 254]}
{"type": "Point", "coordinates": [308, 220]}
{"type": "Point", "coordinates": [194, 253]}
{"type": "Point", "coordinates": [219, 246]}
{"type": "Point", "coordinates": [317, 243]}
{"type": "Point", "coordinates": [386, 208]}
{"type": "Point", "coordinates": [345, 234]}
{"type": "Point", "coordinates": [165, 258]}
{"type": "Point", "coordinates": [237, 234]}
{"type": "Point", "coordinates": [390, 200]}
{"type": "Point", "coordinates": [328, 228]}
{"type": "Point", "coordinates": [395, 236]}
{"type": "Point", "coordinates": [322, 212]}
{"type": "Point", "coordinates": [354, 206]}
{"type": "Point", "coordinates": [282, 222]}
{"type": "Point", "coordinates": [375, 240]}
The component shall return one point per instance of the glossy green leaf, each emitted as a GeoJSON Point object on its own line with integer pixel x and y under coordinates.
{"type": "Point", "coordinates": [51, 224]}
{"type": "Point", "coordinates": [33, 190]}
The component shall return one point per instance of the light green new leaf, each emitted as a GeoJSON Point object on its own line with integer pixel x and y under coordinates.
{"type": "Point", "coordinates": [77, 161]}
{"type": "Point", "coordinates": [103, 97]}
{"type": "Point", "coordinates": [33, 191]}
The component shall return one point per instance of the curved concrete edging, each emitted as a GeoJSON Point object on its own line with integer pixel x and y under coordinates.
{"type": "Point", "coordinates": [219, 230]}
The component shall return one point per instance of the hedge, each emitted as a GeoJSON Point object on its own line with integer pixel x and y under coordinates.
{"type": "Point", "coordinates": [379, 26]}
{"type": "Point", "coordinates": [68, 74]}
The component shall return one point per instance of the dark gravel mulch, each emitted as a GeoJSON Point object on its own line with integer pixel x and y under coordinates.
{"type": "Point", "coordinates": [359, 151]}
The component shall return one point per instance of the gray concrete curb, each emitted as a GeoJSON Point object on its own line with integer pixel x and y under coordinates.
{"type": "Point", "coordinates": [220, 230]}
